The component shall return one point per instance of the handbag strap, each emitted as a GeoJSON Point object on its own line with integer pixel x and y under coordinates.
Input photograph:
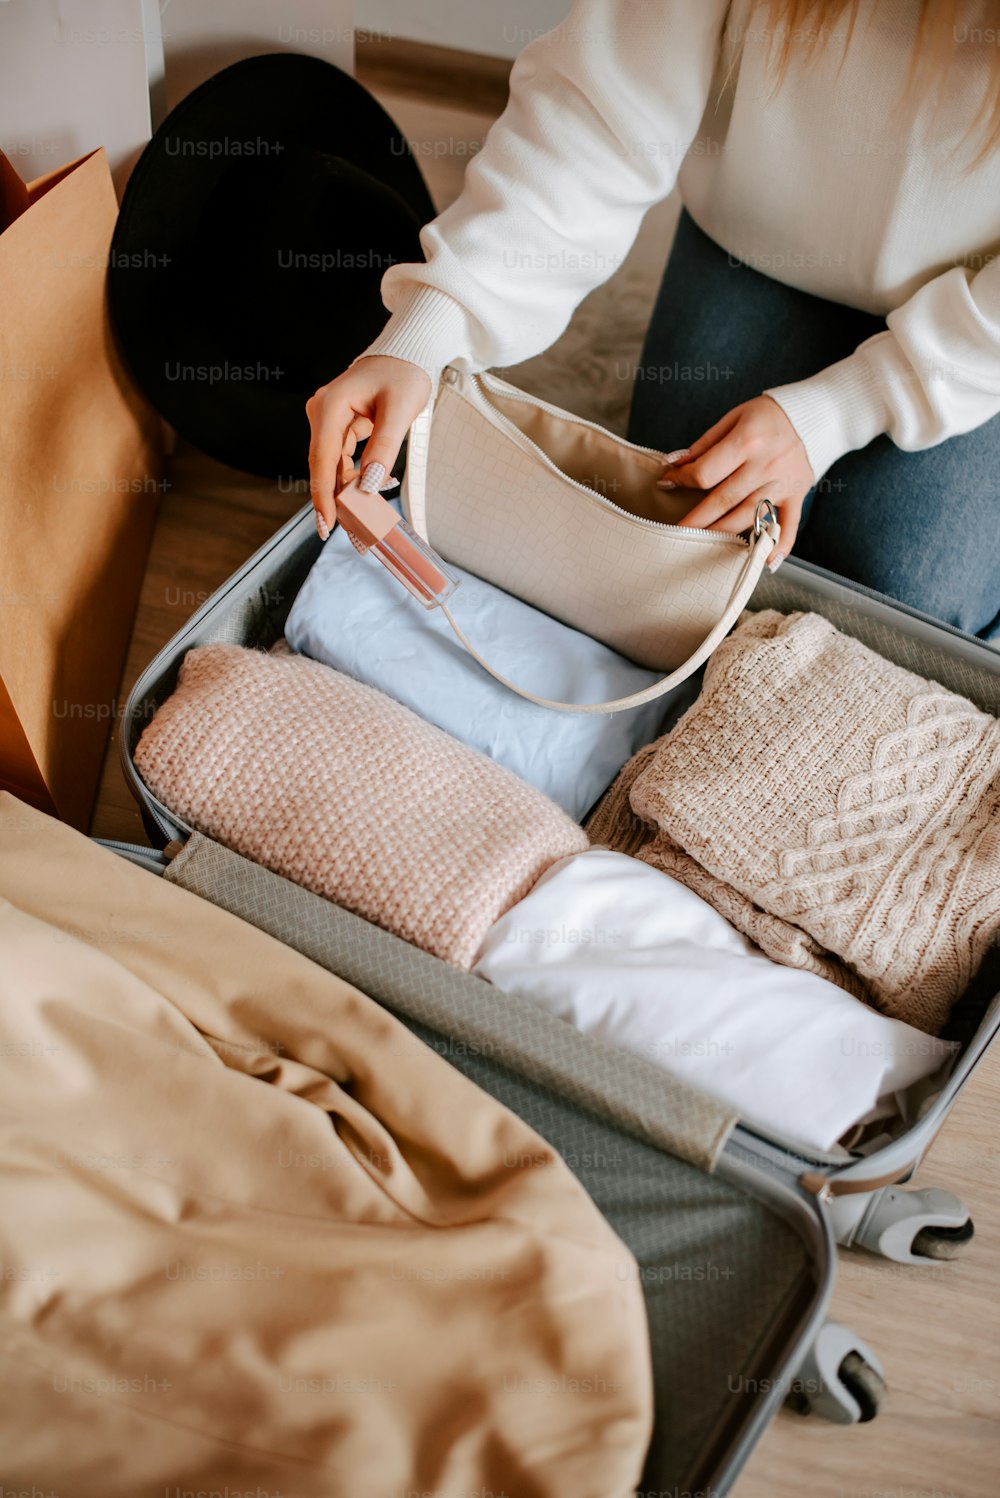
{"type": "Point", "coordinates": [418, 445]}
{"type": "Point", "coordinates": [740, 595]}
{"type": "Point", "coordinates": [764, 539]}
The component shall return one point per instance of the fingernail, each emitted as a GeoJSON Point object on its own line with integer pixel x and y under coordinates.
{"type": "Point", "coordinates": [682, 452]}
{"type": "Point", "coordinates": [390, 482]}
{"type": "Point", "coordinates": [666, 484]}
{"type": "Point", "coordinates": [322, 527]}
{"type": "Point", "coordinates": [372, 477]}
{"type": "Point", "coordinates": [775, 562]}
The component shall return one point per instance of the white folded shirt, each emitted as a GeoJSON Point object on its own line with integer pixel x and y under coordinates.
{"type": "Point", "coordinates": [626, 953]}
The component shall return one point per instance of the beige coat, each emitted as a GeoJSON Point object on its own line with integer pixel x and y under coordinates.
{"type": "Point", "coordinates": [254, 1234]}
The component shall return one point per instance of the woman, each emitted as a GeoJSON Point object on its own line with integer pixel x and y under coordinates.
{"type": "Point", "coordinates": [834, 281]}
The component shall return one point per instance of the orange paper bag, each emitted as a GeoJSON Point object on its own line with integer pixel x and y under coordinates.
{"type": "Point", "coordinates": [80, 464]}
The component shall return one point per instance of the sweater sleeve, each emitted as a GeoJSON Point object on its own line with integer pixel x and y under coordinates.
{"type": "Point", "coordinates": [601, 112]}
{"type": "Point", "coordinates": [934, 373]}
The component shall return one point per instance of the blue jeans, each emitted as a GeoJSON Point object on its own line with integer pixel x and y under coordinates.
{"type": "Point", "coordinates": [921, 527]}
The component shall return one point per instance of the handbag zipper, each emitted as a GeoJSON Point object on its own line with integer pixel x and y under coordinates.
{"type": "Point", "coordinates": [453, 376]}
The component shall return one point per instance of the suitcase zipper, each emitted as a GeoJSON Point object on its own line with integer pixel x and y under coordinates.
{"type": "Point", "coordinates": [894, 603]}
{"type": "Point", "coordinates": [135, 851]}
{"type": "Point", "coordinates": [454, 377]}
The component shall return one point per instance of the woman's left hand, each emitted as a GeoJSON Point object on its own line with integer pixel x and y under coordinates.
{"type": "Point", "coordinates": [753, 453]}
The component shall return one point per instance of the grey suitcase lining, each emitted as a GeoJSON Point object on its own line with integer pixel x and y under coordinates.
{"type": "Point", "coordinates": [727, 1332]}
{"type": "Point", "coordinates": [735, 1275]}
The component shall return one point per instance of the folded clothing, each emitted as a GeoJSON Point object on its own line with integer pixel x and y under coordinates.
{"type": "Point", "coordinates": [352, 615]}
{"type": "Point", "coordinates": [333, 785]}
{"type": "Point", "coordinates": [631, 956]}
{"type": "Point", "coordinates": [844, 813]}
{"type": "Point", "coordinates": [614, 824]}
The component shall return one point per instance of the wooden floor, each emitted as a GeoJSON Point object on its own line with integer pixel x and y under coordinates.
{"type": "Point", "coordinates": [936, 1329]}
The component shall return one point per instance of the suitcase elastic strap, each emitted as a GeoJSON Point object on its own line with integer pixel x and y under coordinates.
{"type": "Point", "coordinates": [818, 1184]}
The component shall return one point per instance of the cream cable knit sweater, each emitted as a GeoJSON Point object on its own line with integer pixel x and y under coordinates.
{"type": "Point", "coordinates": [842, 812]}
{"type": "Point", "coordinates": [818, 185]}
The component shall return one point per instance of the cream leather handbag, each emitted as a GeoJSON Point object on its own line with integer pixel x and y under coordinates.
{"type": "Point", "coordinates": [567, 516]}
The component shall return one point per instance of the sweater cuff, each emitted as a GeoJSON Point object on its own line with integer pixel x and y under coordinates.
{"type": "Point", "coordinates": [841, 408]}
{"type": "Point", "coordinates": [428, 328]}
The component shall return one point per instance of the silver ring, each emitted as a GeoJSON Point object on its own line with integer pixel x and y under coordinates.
{"type": "Point", "coordinates": [762, 505]}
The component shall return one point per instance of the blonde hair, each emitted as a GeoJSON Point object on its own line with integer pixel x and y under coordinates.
{"type": "Point", "coordinates": [943, 27]}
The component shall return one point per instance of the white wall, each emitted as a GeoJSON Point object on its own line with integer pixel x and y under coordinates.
{"type": "Point", "coordinates": [72, 78]}
{"type": "Point", "coordinates": [77, 74]}
{"type": "Point", "coordinates": [202, 36]}
{"type": "Point", "coordinates": [500, 28]}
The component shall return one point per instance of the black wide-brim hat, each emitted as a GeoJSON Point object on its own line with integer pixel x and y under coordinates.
{"type": "Point", "coordinates": [249, 251]}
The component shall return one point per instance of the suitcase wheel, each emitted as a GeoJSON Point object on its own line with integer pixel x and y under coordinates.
{"type": "Point", "coordinates": [840, 1379]}
{"type": "Point", "coordinates": [865, 1384]}
{"type": "Point", "coordinates": [942, 1242]}
{"type": "Point", "coordinates": [909, 1227]}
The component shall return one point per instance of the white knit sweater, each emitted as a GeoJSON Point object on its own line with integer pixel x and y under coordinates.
{"type": "Point", "coordinates": [819, 184]}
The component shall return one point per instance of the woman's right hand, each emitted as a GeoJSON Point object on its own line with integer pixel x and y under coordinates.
{"type": "Point", "coordinates": [378, 397]}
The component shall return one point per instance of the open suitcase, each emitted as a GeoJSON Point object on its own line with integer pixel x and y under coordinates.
{"type": "Point", "coordinates": [734, 1232]}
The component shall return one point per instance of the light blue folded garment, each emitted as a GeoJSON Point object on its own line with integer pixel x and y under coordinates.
{"type": "Point", "coordinates": [351, 614]}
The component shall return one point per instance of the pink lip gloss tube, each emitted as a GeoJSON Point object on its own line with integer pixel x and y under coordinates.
{"type": "Point", "coordinates": [373, 525]}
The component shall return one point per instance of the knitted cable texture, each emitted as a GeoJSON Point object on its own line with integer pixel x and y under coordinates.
{"type": "Point", "coordinates": [333, 785]}
{"type": "Point", "coordinates": [840, 811]}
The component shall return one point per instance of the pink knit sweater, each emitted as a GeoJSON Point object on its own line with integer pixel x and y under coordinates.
{"type": "Point", "coordinates": [335, 786]}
